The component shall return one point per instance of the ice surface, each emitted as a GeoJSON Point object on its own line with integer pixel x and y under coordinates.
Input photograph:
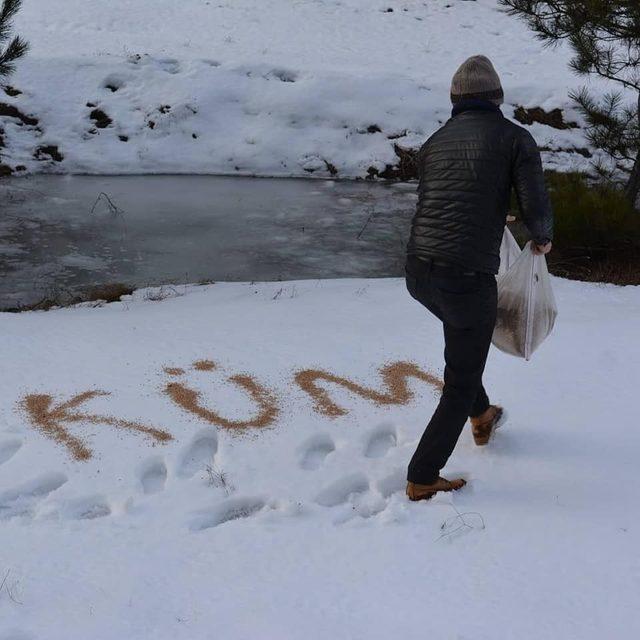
{"type": "Point", "coordinates": [165, 230]}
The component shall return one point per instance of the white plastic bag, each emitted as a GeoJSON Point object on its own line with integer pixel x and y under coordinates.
{"type": "Point", "coordinates": [526, 305]}
{"type": "Point", "coordinates": [509, 251]}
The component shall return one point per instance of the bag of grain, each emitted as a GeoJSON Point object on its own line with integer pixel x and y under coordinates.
{"type": "Point", "coordinates": [526, 305]}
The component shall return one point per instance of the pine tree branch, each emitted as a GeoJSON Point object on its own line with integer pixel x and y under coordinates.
{"type": "Point", "coordinates": [611, 127]}
{"type": "Point", "coordinates": [16, 49]}
{"type": "Point", "coordinates": [9, 9]}
{"type": "Point", "coordinates": [7, 13]}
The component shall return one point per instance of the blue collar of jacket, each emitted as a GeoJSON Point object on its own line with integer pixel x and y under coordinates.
{"type": "Point", "coordinates": [474, 104]}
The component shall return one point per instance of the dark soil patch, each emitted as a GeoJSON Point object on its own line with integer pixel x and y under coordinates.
{"type": "Point", "coordinates": [165, 108]}
{"type": "Point", "coordinates": [285, 76]}
{"type": "Point", "coordinates": [406, 168]}
{"type": "Point", "coordinates": [151, 124]}
{"type": "Point", "coordinates": [331, 168]}
{"type": "Point", "coordinates": [112, 87]}
{"type": "Point", "coordinates": [5, 170]}
{"type": "Point", "coordinates": [101, 119]}
{"type": "Point", "coordinates": [553, 118]}
{"type": "Point", "coordinates": [11, 91]}
{"type": "Point", "coordinates": [583, 151]}
{"type": "Point", "coordinates": [10, 111]}
{"type": "Point", "coordinates": [124, 138]}
{"type": "Point", "coordinates": [48, 152]}
{"type": "Point", "coordinates": [107, 293]}
{"type": "Point", "coordinates": [374, 128]}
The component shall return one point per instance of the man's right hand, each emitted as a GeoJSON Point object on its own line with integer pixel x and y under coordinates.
{"type": "Point", "coordinates": [542, 249]}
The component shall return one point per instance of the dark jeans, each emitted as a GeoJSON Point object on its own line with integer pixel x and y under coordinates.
{"type": "Point", "coordinates": [466, 304]}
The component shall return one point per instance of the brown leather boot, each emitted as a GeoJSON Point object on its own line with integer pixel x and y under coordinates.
{"type": "Point", "coordinates": [417, 491]}
{"type": "Point", "coordinates": [484, 425]}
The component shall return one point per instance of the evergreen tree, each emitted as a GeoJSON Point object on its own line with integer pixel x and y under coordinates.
{"type": "Point", "coordinates": [604, 36]}
{"type": "Point", "coordinates": [16, 46]}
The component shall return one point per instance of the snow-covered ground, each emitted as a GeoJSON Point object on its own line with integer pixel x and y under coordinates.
{"type": "Point", "coordinates": [299, 528]}
{"type": "Point", "coordinates": [196, 467]}
{"type": "Point", "coordinates": [269, 88]}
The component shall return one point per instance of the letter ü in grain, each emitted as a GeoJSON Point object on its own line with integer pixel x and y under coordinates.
{"type": "Point", "coordinates": [190, 400]}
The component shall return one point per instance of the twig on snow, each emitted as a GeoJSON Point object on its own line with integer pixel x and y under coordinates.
{"type": "Point", "coordinates": [459, 523]}
{"type": "Point", "coordinates": [5, 585]}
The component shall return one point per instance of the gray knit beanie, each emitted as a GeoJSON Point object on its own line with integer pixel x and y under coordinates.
{"type": "Point", "coordinates": [476, 78]}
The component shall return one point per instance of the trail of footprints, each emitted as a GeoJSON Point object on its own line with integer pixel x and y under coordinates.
{"type": "Point", "coordinates": [25, 499]}
{"type": "Point", "coordinates": [353, 491]}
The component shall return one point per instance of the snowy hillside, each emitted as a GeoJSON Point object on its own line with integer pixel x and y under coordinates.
{"type": "Point", "coordinates": [215, 493]}
{"type": "Point", "coordinates": [311, 87]}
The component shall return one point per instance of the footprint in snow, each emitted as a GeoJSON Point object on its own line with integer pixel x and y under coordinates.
{"type": "Point", "coordinates": [284, 75]}
{"type": "Point", "coordinates": [8, 449]}
{"type": "Point", "coordinates": [314, 451]}
{"type": "Point", "coordinates": [87, 508]}
{"type": "Point", "coordinates": [114, 82]}
{"type": "Point", "coordinates": [353, 490]}
{"type": "Point", "coordinates": [363, 505]}
{"type": "Point", "coordinates": [380, 441]}
{"type": "Point", "coordinates": [23, 500]}
{"type": "Point", "coordinates": [339, 491]}
{"type": "Point", "coordinates": [231, 509]}
{"type": "Point", "coordinates": [153, 475]}
{"type": "Point", "coordinates": [200, 454]}
{"type": "Point", "coordinates": [393, 483]}
{"type": "Point", "coordinates": [170, 65]}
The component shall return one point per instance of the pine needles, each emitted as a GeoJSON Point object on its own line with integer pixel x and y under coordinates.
{"type": "Point", "coordinates": [17, 47]}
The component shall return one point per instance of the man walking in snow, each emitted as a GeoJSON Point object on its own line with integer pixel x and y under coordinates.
{"type": "Point", "coordinates": [467, 171]}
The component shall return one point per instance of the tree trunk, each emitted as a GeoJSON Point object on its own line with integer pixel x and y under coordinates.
{"type": "Point", "coordinates": [632, 189]}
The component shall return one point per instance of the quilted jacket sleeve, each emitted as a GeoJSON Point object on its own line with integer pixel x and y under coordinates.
{"type": "Point", "coordinates": [531, 192]}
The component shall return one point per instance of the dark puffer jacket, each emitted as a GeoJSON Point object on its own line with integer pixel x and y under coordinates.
{"type": "Point", "coordinates": [467, 170]}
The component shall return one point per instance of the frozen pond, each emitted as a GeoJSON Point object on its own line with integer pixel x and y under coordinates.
{"type": "Point", "coordinates": [62, 235]}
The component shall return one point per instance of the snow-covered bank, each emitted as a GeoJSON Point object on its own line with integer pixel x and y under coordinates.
{"type": "Point", "coordinates": [246, 87]}
{"type": "Point", "coordinates": [299, 529]}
